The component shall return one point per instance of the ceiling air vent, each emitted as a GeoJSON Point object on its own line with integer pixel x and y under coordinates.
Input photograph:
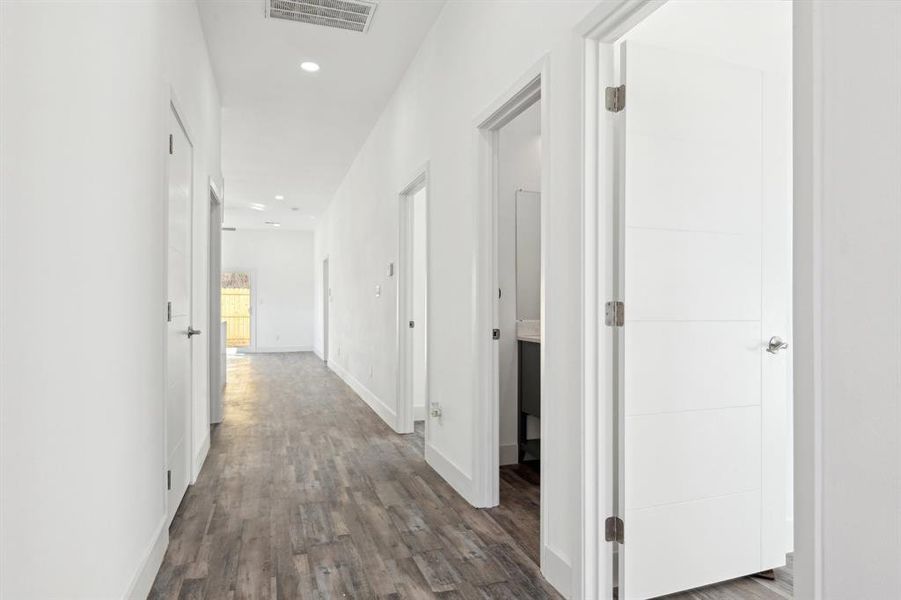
{"type": "Point", "coordinates": [353, 15]}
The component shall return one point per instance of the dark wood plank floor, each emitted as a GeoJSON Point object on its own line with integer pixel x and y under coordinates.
{"type": "Point", "coordinates": [306, 493]}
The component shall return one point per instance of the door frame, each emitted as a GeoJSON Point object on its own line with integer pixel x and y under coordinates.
{"type": "Point", "coordinates": [405, 410]}
{"type": "Point", "coordinates": [530, 88]}
{"type": "Point", "coordinates": [174, 106]}
{"type": "Point", "coordinates": [214, 279]}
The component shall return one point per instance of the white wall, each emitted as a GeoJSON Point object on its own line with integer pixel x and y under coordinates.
{"type": "Point", "coordinates": [474, 53]}
{"type": "Point", "coordinates": [519, 167]}
{"type": "Point", "coordinates": [848, 299]}
{"type": "Point", "coordinates": [281, 263]}
{"type": "Point", "coordinates": [84, 89]}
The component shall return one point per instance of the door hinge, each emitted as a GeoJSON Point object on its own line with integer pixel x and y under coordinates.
{"type": "Point", "coordinates": [171, 144]}
{"type": "Point", "coordinates": [495, 334]}
{"type": "Point", "coordinates": [613, 530]}
{"type": "Point", "coordinates": [412, 324]}
{"type": "Point", "coordinates": [169, 312]}
{"type": "Point", "coordinates": [615, 98]}
{"type": "Point", "coordinates": [168, 480]}
{"type": "Point", "coordinates": [615, 314]}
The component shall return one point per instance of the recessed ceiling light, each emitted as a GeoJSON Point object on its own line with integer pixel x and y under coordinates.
{"type": "Point", "coordinates": [257, 206]}
{"type": "Point", "coordinates": [279, 197]}
{"type": "Point", "coordinates": [309, 66]}
{"type": "Point", "coordinates": [295, 209]}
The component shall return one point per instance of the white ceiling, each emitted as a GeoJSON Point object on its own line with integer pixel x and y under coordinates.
{"type": "Point", "coordinates": [292, 133]}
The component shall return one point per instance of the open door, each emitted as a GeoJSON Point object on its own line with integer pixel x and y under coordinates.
{"type": "Point", "coordinates": [702, 262]}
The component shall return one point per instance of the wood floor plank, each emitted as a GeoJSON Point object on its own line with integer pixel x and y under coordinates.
{"type": "Point", "coordinates": [306, 494]}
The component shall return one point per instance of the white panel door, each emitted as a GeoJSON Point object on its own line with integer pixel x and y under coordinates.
{"type": "Point", "coordinates": [178, 372]}
{"type": "Point", "coordinates": [701, 497]}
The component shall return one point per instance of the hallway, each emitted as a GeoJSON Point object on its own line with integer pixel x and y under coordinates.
{"type": "Point", "coordinates": [306, 493]}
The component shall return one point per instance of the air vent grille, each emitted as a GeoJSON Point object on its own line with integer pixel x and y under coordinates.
{"type": "Point", "coordinates": [353, 15]}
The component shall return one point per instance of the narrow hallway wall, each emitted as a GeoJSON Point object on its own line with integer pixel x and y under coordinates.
{"type": "Point", "coordinates": [84, 92]}
{"type": "Point", "coordinates": [474, 53]}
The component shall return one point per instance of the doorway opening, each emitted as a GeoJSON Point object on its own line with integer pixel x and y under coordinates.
{"type": "Point", "coordinates": [509, 464]}
{"type": "Point", "coordinates": [412, 298]}
{"type": "Point", "coordinates": [689, 250]}
{"type": "Point", "coordinates": [326, 299]}
{"type": "Point", "coordinates": [237, 310]}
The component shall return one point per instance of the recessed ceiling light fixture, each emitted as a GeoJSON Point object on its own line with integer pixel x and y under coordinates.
{"type": "Point", "coordinates": [309, 66]}
{"type": "Point", "coordinates": [257, 206]}
{"type": "Point", "coordinates": [279, 197]}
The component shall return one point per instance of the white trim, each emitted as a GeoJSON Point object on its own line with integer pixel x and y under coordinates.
{"type": "Point", "coordinates": [200, 457]}
{"type": "Point", "coordinates": [276, 349]}
{"type": "Point", "coordinates": [557, 571]}
{"type": "Point", "coordinates": [509, 454]}
{"type": "Point", "coordinates": [450, 472]}
{"type": "Point", "coordinates": [807, 255]}
{"type": "Point", "coordinates": [404, 295]}
{"type": "Point", "coordinates": [592, 575]}
{"type": "Point", "coordinates": [143, 579]}
{"type": "Point", "coordinates": [378, 406]}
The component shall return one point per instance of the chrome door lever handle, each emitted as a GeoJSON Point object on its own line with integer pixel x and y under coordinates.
{"type": "Point", "coordinates": [192, 332]}
{"type": "Point", "coordinates": [776, 344]}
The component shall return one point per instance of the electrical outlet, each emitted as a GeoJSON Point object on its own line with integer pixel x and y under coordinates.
{"type": "Point", "coordinates": [436, 410]}
{"type": "Point", "coordinates": [378, 291]}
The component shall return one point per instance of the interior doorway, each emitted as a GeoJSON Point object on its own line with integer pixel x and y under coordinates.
{"type": "Point", "coordinates": [179, 372]}
{"type": "Point", "coordinates": [694, 184]}
{"type": "Point", "coordinates": [509, 429]}
{"type": "Point", "coordinates": [326, 300]}
{"type": "Point", "coordinates": [413, 294]}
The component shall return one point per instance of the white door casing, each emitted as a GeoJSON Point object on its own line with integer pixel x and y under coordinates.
{"type": "Point", "coordinates": [178, 368]}
{"type": "Point", "coordinates": [702, 263]}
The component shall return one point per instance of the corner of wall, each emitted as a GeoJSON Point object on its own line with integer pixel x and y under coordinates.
{"type": "Point", "coordinates": [558, 571]}
{"type": "Point", "coordinates": [378, 406]}
{"type": "Point", "coordinates": [451, 473]}
{"type": "Point", "coordinates": [143, 579]}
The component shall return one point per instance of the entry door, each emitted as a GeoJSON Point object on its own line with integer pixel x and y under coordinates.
{"type": "Point", "coordinates": [178, 392]}
{"type": "Point", "coordinates": [703, 257]}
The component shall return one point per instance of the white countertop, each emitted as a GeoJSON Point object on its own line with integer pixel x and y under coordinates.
{"type": "Point", "coordinates": [528, 331]}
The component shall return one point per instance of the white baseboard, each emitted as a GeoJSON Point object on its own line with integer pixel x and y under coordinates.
{"type": "Point", "coordinates": [419, 413]}
{"type": "Point", "coordinates": [509, 454]}
{"type": "Point", "coordinates": [142, 581]}
{"type": "Point", "coordinates": [789, 536]}
{"type": "Point", "coordinates": [385, 412]}
{"type": "Point", "coordinates": [200, 457]}
{"type": "Point", "coordinates": [318, 353]}
{"type": "Point", "coordinates": [557, 570]}
{"type": "Point", "coordinates": [451, 473]}
{"type": "Point", "coordinates": [274, 349]}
